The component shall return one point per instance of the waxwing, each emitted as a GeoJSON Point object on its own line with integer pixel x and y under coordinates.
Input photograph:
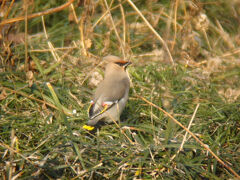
{"type": "Point", "coordinates": [111, 94]}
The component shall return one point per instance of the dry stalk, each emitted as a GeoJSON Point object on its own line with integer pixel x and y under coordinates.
{"type": "Point", "coordinates": [223, 34]}
{"type": "Point", "coordinates": [121, 130]}
{"type": "Point", "coordinates": [124, 25]}
{"type": "Point", "coordinates": [2, 4]}
{"type": "Point", "coordinates": [175, 24]}
{"type": "Point", "coordinates": [26, 35]}
{"type": "Point", "coordinates": [114, 28]}
{"type": "Point", "coordinates": [235, 51]}
{"type": "Point", "coordinates": [49, 11]}
{"type": "Point", "coordinates": [153, 30]}
{"type": "Point", "coordinates": [168, 21]}
{"type": "Point", "coordinates": [30, 97]}
{"type": "Point", "coordinates": [193, 135]}
{"type": "Point", "coordinates": [81, 29]}
{"type": "Point", "coordinates": [186, 133]}
{"type": "Point", "coordinates": [12, 150]}
{"type": "Point", "coordinates": [47, 50]}
{"type": "Point", "coordinates": [13, 142]}
{"type": "Point", "coordinates": [206, 37]}
{"type": "Point", "coordinates": [9, 9]}
{"type": "Point", "coordinates": [104, 14]}
{"type": "Point", "coordinates": [50, 45]}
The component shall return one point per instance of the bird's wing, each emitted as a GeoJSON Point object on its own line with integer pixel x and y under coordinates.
{"type": "Point", "coordinates": [104, 100]}
{"type": "Point", "coordinates": [96, 109]}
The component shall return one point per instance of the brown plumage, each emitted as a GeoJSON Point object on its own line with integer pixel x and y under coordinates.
{"type": "Point", "coordinates": [111, 94]}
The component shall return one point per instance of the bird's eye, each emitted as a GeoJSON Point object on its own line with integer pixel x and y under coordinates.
{"type": "Point", "coordinates": [119, 63]}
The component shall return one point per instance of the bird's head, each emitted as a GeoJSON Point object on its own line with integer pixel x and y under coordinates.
{"type": "Point", "coordinates": [116, 63]}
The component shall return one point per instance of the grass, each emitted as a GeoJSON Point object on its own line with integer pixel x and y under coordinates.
{"type": "Point", "coordinates": [44, 108]}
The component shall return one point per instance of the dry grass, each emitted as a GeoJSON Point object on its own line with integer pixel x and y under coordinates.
{"type": "Point", "coordinates": [186, 70]}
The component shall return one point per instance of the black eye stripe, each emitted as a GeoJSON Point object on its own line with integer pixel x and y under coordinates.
{"type": "Point", "coordinates": [119, 63]}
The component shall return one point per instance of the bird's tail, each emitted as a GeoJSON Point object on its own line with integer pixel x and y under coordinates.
{"type": "Point", "coordinates": [89, 128]}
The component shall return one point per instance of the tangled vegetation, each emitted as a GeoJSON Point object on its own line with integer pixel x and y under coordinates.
{"type": "Point", "coordinates": [186, 68]}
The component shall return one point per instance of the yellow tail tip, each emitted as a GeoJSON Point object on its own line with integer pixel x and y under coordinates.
{"type": "Point", "coordinates": [89, 128]}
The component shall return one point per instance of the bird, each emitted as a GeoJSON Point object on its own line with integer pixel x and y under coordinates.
{"type": "Point", "coordinates": [111, 94]}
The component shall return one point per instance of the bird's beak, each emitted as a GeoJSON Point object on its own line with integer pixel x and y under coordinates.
{"type": "Point", "coordinates": [127, 64]}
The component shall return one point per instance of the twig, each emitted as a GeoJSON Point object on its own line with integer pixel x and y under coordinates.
{"type": "Point", "coordinates": [53, 52]}
{"type": "Point", "coordinates": [124, 26]}
{"type": "Point", "coordinates": [49, 11]}
{"type": "Point", "coordinates": [10, 7]}
{"type": "Point", "coordinates": [47, 50]}
{"type": "Point", "coordinates": [30, 97]}
{"type": "Point", "coordinates": [15, 151]}
{"type": "Point", "coordinates": [153, 30]}
{"type": "Point", "coordinates": [2, 4]}
{"type": "Point", "coordinates": [114, 28]}
{"type": "Point", "coordinates": [81, 29]}
{"type": "Point", "coordinates": [82, 35]}
{"type": "Point", "coordinates": [105, 13]}
{"type": "Point", "coordinates": [235, 51]}
{"type": "Point", "coordinates": [189, 125]}
{"type": "Point", "coordinates": [195, 137]}
{"type": "Point", "coordinates": [168, 21]}
{"type": "Point", "coordinates": [175, 23]}
{"type": "Point", "coordinates": [13, 142]}
{"type": "Point", "coordinates": [225, 36]}
{"type": "Point", "coordinates": [26, 35]}
{"type": "Point", "coordinates": [74, 14]}
{"type": "Point", "coordinates": [206, 37]}
{"type": "Point", "coordinates": [185, 136]}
